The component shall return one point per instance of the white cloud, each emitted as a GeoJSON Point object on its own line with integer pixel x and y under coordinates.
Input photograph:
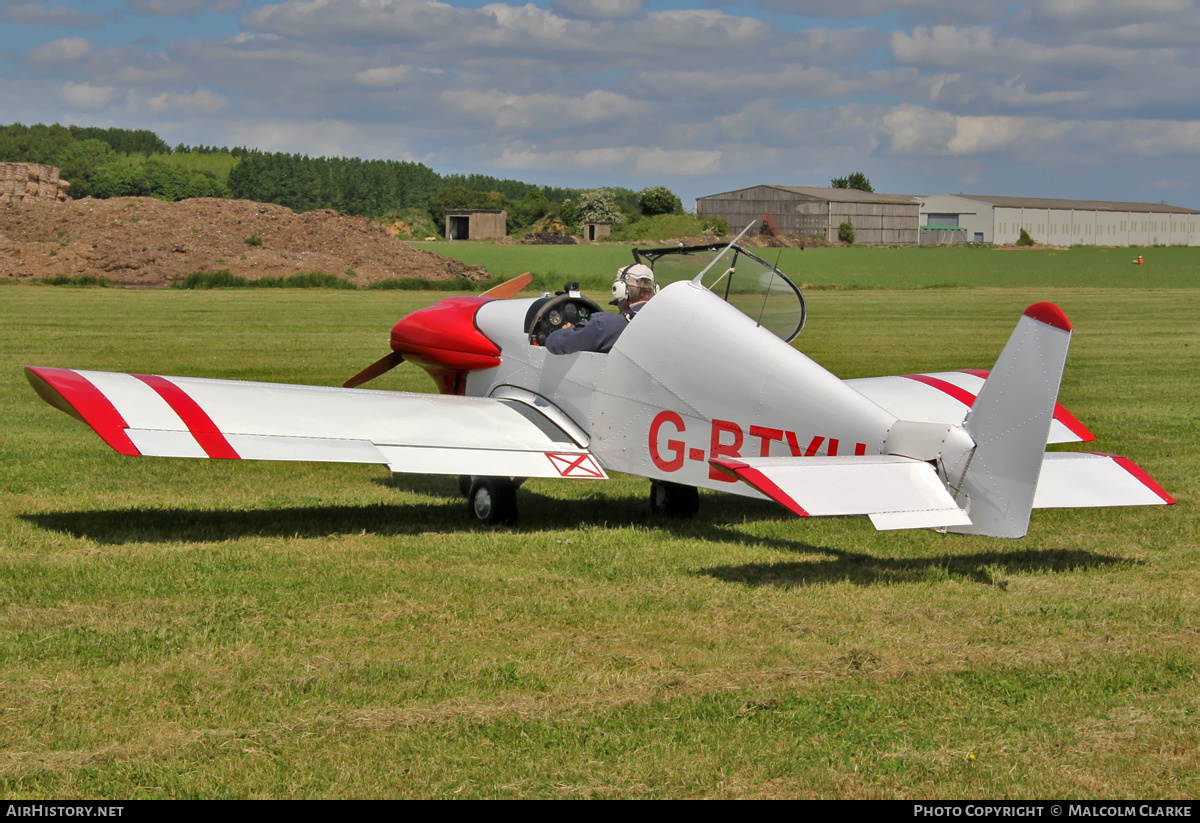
{"type": "Point", "coordinates": [978, 48]}
{"type": "Point", "coordinates": [36, 14]}
{"type": "Point", "coordinates": [66, 50]}
{"type": "Point", "coordinates": [181, 8]}
{"type": "Point", "coordinates": [1014, 93]}
{"type": "Point", "coordinates": [1168, 183]}
{"type": "Point", "coordinates": [545, 112]}
{"type": "Point", "coordinates": [650, 161]}
{"type": "Point", "coordinates": [597, 9]}
{"type": "Point", "coordinates": [368, 20]}
{"type": "Point", "coordinates": [155, 72]}
{"type": "Point", "coordinates": [85, 95]}
{"type": "Point", "coordinates": [909, 9]}
{"type": "Point", "coordinates": [1159, 138]}
{"type": "Point", "coordinates": [1107, 13]}
{"type": "Point", "coordinates": [382, 76]}
{"type": "Point", "coordinates": [329, 138]}
{"type": "Point", "coordinates": [915, 130]}
{"type": "Point", "coordinates": [201, 101]}
{"type": "Point", "coordinates": [527, 31]}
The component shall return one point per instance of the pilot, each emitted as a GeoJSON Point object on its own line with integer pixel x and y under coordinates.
{"type": "Point", "coordinates": [633, 287]}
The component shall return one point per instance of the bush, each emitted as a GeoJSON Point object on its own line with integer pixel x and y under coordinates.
{"type": "Point", "coordinates": [846, 233]}
{"type": "Point", "coordinates": [1025, 239]}
{"type": "Point", "coordinates": [661, 227]}
{"type": "Point", "coordinates": [659, 200]}
{"type": "Point", "coordinates": [78, 280]}
{"type": "Point", "coordinates": [253, 240]}
{"type": "Point", "coordinates": [415, 224]}
{"type": "Point", "coordinates": [599, 206]}
{"type": "Point", "coordinates": [223, 279]}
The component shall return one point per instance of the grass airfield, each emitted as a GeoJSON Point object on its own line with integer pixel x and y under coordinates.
{"type": "Point", "coordinates": [175, 628]}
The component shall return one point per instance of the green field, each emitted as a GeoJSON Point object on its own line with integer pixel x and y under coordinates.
{"type": "Point", "coordinates": [176, 628]}
{"type": "Point", "coordinates": [870, 267]}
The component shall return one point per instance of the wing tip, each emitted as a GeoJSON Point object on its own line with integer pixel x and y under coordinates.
{"type": "Point", "coordinates": [71, 392]}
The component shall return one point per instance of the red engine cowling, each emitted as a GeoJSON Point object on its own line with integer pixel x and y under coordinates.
{"type": "Point", "coordinates": [444, 340]}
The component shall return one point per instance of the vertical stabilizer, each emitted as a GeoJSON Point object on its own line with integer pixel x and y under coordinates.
{"type": "Point", "coordinates": [1009, 422]}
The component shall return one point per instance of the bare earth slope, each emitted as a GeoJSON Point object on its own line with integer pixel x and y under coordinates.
{"type": "Point", "coordinates": [139, 241]}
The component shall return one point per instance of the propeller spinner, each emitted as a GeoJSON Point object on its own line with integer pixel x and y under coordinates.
{"type": "Point", "coordinates": [504, 291]}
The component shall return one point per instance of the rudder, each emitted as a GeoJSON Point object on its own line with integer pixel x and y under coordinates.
{"type": "Point", "coordinates": [1009, 422]}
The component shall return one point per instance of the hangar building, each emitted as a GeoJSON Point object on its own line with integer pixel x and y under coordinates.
{"type": "Point", "coordinates": [807, 211]}
{"type": "Point", "coordinates": [973, 218]}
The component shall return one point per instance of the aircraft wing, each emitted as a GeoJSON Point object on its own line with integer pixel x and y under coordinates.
{"type": "Point", "coordinates": [946, 397]}
{"type": "Point", "coordinates": [895, 492]}
{"type": "Point", "coordinates": [139, 414]}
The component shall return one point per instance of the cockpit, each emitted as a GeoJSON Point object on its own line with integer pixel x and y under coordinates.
{"type": "Point", "coordinates": [747, 282]}
{"type": "Point", "coordinates": [550, 313]}
{"type": "Point", "coordinates": [750, 284]}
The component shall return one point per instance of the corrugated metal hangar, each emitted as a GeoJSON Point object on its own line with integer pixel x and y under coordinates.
{"type": "Point", "coordinates": [805, 211]}
{"type": "Point", "coordinates": [958, 218]}
{"type": "Point", "coordinates": [985, 219]}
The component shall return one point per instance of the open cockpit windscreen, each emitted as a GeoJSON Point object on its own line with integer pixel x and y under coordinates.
{"type": "Point", "coordinates": [744, 280]}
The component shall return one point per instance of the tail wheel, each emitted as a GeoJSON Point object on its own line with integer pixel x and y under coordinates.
{"type": "Point", "coordinates": [673, 500]}
{"type": "Point", "coordinates": [493, 500]}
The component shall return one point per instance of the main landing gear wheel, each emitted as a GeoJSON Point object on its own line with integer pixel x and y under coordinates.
{"type": "Point", "coordinates": [673, 500]}
{"type": "Point", "coordinates": [493, 500]}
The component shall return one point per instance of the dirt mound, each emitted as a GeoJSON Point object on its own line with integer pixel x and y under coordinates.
{"type": "Point", "coordinates": [139, 241]}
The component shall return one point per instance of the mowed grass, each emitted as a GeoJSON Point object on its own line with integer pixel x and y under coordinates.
{"type": "Point", "coordinates": [175, 628]}
{"type": "Point", "coordinates": [868, 267]}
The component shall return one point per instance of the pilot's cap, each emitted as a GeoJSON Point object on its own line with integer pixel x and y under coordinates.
{"type": "Point", "coordinates": [638, 275]}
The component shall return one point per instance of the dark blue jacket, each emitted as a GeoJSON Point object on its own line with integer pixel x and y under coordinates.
{"type": "Point", "coordinates": [599, 333]}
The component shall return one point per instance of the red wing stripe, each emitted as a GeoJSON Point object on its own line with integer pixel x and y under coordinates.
{"type": "Point", "coordinates": [758, 480]}
{"type": "Point", "coordinates": [1136, 470]}
{"type": "Point", "coordinates": [960, 394]}
{"type": "Point", "coordinates": [1067, 419]}
{"type": "Point", "coordinates": [199, 424]}
{"type": "Point", "coordinates": [963, 396]}
{"type": "Point", "coordinates": [75, 394]}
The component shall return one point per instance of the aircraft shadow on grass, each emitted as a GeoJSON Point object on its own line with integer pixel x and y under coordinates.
{"type": "Point", "coordinates": [116, 527]}
{"type": "Point", "coordinates": [987, 567]}
{"type": "Point", "coordinates": [446, 513]}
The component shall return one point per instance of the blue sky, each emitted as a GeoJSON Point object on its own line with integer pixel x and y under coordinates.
{"type": "Point", "coordinates": [1041, 98]}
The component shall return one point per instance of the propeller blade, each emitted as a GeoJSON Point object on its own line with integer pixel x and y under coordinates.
{"type": "Point", "coordinates": [383, 364]}
{"type": "Point", "coordinates": [510, 287]}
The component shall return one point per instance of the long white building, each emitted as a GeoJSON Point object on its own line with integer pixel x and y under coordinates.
{"type": "Point", "coordinates": [985, 219]}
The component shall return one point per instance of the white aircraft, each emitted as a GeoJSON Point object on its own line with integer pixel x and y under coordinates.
{"type": "Point", "coordinates": [703, 390]}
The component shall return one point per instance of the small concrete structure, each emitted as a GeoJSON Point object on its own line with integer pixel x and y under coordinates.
{"type": "Point", "coordinates": [475, 224]}
{"type": "Point", "coordinates": [596, 231]}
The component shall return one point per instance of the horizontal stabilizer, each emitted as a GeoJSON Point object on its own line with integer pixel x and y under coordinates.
{"type": "Point", "coordinates": [1083, 479]}
{"type": "Point", "coordinates": [895, 492]}
{"type": "Point", "coordinates": [154, 416]}
{"type": "Point", "coordinates": [946, 397]}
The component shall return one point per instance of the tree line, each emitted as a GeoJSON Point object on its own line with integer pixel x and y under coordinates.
{"type": "Point", "coordinates": [122, 163]}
